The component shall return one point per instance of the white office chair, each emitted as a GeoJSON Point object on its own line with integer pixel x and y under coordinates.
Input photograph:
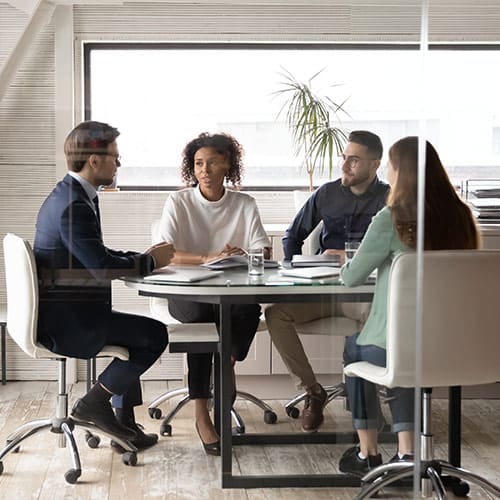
{"type": "Point", "coordinates": [22, 317]}
{"type": "Point", "coordinates": [191, 338]}
{"type": "Point", "coordinates": [460, 343]}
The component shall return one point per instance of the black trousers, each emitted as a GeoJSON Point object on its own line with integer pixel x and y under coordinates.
{"type": "Point", "coordinates": [244, 322]}
{"type": "Point", "coordinates": [145, 339]}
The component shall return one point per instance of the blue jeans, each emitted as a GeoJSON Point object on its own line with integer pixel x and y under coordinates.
{"type": "Point", "coordinates": [362, 395]}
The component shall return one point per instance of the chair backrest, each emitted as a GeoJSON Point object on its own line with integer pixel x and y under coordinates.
{"type": "Point", "coordinates": [311, 243]}
{"type": "Point", "coordinates": [22, 293]}
{"type": "Point", "coordinates": [460, 319]}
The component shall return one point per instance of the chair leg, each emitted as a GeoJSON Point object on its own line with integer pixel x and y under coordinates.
{"type": "Point", "coordinates": [24, 432]}
{"type": "Point", "coordinates": [432, 474]}
{"type": "Point", "coordinates": [384, 476]}
{"type": "Point", "coordinates": [154, 411]}
{"type": "Point", "coordinates": [466, 475]}
{"type": "Point", "coordinates": [165, 427]}
{"type": "Point", "coordinates": [270, 416]}
{"type": "Point", "coordinates": [27, 428]}
{"type": "Point", "coordinates": [72, 475]}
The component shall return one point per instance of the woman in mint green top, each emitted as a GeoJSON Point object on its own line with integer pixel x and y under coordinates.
{"type": "Point", "coordinates": [377, 251]}
{"type": "Point", "coordinates": [449, 225]}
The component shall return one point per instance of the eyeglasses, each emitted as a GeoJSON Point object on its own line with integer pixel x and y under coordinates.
{"type": "Point", "coordinates": [117, 158]}
{"type": "Point", "coordinates": [352, 161]}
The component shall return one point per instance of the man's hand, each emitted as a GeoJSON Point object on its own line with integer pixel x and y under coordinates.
{"type": "Point", "coordinates": [333, 251]}
{"type": "Point", "coordinates": [162, 253]}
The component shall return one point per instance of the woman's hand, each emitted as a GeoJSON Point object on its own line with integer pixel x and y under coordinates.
{"type": "Point", "coordinates": [227, 251]}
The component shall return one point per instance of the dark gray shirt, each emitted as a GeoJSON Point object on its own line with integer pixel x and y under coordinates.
{"type": "Point", "coordinates": [345, 216]}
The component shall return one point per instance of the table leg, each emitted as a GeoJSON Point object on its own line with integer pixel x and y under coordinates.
{"type": "Point", "coordinates": [4, 355]}
{"type": "Point", "coordinates": [455, 426]}
{"type": "Point", "coordinates": [225, 382]}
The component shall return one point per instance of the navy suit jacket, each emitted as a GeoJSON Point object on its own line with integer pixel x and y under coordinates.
{"type": "Point", "coordinates": [75, 271]}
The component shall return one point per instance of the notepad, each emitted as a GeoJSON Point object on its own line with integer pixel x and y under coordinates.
{"type": "Point", "coordinates": [178, 275]}
{"type": "Point", "coordinates": [311, 272]}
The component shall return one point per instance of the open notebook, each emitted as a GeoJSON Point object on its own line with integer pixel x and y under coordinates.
{"type": "Point", "coordinates": [182, 275]}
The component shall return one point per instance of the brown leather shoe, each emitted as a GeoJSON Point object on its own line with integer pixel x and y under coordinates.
{"type": "Point", "coordinates": [312, 415]}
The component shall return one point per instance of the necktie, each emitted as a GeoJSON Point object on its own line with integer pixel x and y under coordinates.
{"type": "Point", "coordinates": [98, 213]}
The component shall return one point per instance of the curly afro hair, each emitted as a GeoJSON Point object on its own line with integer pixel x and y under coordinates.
{"type": "Point", "coordinates": [224, 144]}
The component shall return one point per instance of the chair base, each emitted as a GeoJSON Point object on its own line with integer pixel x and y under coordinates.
{"type": "Point", "coordinates": [270, 416]}
{"type": "Point", "coordinates": [64, 427]}
{"type": "Point", "coordinates": [435, 475]}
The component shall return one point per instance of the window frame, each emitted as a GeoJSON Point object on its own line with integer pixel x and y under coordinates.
{"type": "Point", "coordinates": [89, 46]}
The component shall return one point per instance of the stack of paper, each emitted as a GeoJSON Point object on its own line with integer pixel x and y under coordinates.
{"type": "Point", "coordinates": [486, 207]}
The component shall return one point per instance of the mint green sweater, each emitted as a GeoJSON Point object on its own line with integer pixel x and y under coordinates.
{"type": "Point", "coordinates": [377, 251]}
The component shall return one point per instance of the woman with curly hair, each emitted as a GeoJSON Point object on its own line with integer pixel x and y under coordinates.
{"type": "Point", "coordinates": [205, 221]}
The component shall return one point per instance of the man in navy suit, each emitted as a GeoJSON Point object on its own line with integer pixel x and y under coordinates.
{"type": "Point", "coordinates": [76, 269]}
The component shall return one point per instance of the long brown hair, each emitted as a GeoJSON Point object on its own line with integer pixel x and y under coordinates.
{"type": "Point", "coordinates": [449, 223]}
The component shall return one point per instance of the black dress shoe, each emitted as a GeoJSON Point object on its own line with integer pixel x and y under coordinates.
{"type": "Point", "coordinates": [141, 440]}
{"type": "Point", "coordinates": [103, 417]}
{"type": "Point", "coordinates": [210, 448]}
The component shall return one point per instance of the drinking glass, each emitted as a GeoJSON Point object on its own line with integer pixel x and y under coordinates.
{"type": "Point", "coordinates": [255, 261]}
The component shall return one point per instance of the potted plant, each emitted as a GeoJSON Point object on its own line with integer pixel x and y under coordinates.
{"type": "Point", "coordinates": [314, 122]}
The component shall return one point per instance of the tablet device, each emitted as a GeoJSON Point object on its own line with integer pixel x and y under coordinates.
{"type": "Point", "coordinates": [180, 275]}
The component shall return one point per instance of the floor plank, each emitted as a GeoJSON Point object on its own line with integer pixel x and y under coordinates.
{"type": "Point", "coordinates": [177, 468]}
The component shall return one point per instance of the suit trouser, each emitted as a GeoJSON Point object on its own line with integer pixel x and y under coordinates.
{"type": "Point", "coordinates": [145, 339]}
{"type": "Point", "coordinates": [281, 322]}
{"type": "Point", "coordinates": [244, 322]}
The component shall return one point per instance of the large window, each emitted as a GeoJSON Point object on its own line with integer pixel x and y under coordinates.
{"type": "Point", "coordinates": [161, 96]}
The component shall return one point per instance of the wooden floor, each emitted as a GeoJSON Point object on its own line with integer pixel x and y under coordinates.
{"type": "Point", "coordinates": [177, 468]}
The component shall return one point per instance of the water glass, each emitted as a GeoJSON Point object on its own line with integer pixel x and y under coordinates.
{"type": "Point", "coordinates": [351, 247]}
{"type": "Point", "coordinates": [256, 262]}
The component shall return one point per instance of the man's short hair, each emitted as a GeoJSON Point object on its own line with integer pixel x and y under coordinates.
{"type": "Point", "coordinates": [85, 139]}
{"type": "Point", "coordinates": [368, 139]}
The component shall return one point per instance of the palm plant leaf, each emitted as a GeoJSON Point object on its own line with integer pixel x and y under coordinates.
{"type": "Point", "coordinates": [308, 117]}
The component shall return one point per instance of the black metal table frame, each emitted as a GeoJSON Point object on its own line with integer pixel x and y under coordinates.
{"type": "Point", "coordinates": [222, 392]}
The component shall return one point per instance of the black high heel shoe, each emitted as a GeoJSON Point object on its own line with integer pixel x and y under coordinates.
{"type": "Point", "coordinates": [210, 448]}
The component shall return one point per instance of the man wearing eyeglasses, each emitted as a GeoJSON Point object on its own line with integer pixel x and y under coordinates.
{"type": "Point", "coordinates": [345, 207]}
{"type": "Point", "coordinates": [75, 272]}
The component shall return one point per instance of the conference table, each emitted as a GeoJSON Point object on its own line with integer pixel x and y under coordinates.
{"type": "Point", "coordinates": [234, 286]}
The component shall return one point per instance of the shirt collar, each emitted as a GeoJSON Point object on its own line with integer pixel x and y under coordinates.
{"type": "Point", "coordinates": [88, 188]}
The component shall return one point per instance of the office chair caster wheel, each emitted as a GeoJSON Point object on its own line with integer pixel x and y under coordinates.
{"type": "Point", "coordinates": [72, 475]}
{"type": "Point", "coordinates": [92, 440]}
{"type": "Point", "coordinates": [270, 417]}
{"type": "Point", "coordinates": [293, 412]}
{"type": "Point", "coordinates": [154, 413]}
{"type": "Point", "coordinates": [1, 468]}
{"type": "Point", "coordinates": [165, 429]}
{"type": "Point", "coordinates": [239, 429]}
{"type": "Point", "coordinates": [460, 488]}
{"type": "Point", "coordinates": [130, 458]}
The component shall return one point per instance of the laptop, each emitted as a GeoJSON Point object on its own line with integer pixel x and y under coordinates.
{"type": "Point", "coordinates": [315, 260]}
{"type": "Point", "coordinates": [182, 275]}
